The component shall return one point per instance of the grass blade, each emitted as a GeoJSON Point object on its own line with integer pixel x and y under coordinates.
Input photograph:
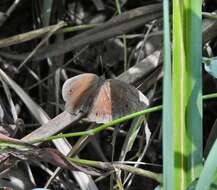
{"type": "Point", "coordinates": [187, 98]}
{"type": "Point", "coordinates": [207, 174]}
{"type": "Point", "coordinates": [167, 104]}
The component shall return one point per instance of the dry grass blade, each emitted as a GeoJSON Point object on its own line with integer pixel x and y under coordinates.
{"type": "Point", "coordinates": [36, 110]}
{"type": "Point", "coordinates": [139, 70]}
{"type": "Point", "coordinates": [20, 38]}
{"type": "Point", "coordinates": [9, 12]}
{"type": "Point", "coordinates": [10, 100]}
{"type": "Point", "coordinates": [63, 146]}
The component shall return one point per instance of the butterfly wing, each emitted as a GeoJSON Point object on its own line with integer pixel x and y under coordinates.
{"type": "Point", "coordinates": [116, 99]}
{"type": "Point", "coordinates": [78, 92]}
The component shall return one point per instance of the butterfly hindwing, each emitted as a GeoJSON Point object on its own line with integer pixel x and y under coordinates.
{"type": "Point", "coordinates": [116, 99]}
{"type": "Point", "coordinates": [101, 110]}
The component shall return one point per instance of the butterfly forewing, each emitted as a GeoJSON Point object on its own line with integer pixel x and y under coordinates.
{"type": "Point", "coordinates": [79, 91]}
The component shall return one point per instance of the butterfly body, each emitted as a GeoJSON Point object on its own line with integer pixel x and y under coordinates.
{"type": "Point", "coordinates": [101, 100]}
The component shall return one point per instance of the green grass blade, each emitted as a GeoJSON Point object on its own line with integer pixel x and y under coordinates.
{"type": "Point", "coordinates": [187, 96]}
{"type": "Point", "coordinates": [167, 104]}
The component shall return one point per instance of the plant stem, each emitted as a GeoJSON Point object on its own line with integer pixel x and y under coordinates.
{"type": "Point", "coordinates": [210, 15]}
{"type": "Point", "coordinates": [118, 6]}
{"type": "Point", "coordinates": [98, 129]}
{"type": "Point", "coordinates": [107, 125]}
{"type": "Point", "coordinates": [111, 166]}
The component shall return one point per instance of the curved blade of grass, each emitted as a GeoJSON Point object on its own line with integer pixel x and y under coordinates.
{"type": "Point", "coordinates": [209, 169]}
{"type": "Point", "coordinates": [211, 139]}
{"type": "Point", "coordinates": [131, 137]}
{"type": "Point", "coordinates": [129, 178]}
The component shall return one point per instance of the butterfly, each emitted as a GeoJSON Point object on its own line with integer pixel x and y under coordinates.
{"type": "Point", "coordinates": [101, 100]}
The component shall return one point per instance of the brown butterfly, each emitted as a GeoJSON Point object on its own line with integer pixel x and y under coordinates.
{"type": "Point", "coordinates": [102, 100]}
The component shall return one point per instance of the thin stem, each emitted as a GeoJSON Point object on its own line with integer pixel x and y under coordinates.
{"type": "Point", "coordinates": [100, 128]}
{"type": "Point", "coordinates": [210, 15]}
{"type": "Point", "coordinates": [118, 6]}
{"type": "Point", "coordinates": [111, 166]}
{"type": "Point", "coordinates": [107, 125]}
{"type": "Point", "coordinates": [209, 96]}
